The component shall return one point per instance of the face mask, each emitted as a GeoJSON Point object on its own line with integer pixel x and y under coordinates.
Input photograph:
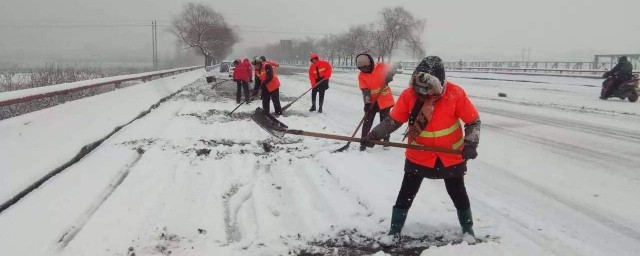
{"type": "Point", "coordinates": [363, 63]}
{"type": "Point", "coordinates": [426, 84]}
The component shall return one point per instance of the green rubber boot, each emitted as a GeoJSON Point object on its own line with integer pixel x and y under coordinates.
{"type": "Point", "coordinates": [466, 221]}
{"type": "Point", "coordinates": [398, 217]}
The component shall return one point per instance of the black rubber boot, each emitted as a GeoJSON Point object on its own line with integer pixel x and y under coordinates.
{"type": "Point", "coordinates": [466, 221]}
{"type": "Point", "coordinates": [398, 217]}
{"type": "Point", "coordinates": [320, 109]}
{"type": "Point", "coordinates": [313, 108]}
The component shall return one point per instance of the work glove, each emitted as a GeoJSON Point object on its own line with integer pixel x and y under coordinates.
{"type": "Point", "coordinates": [319, 79]}
{"type": "Point", "coordinates": [367, 107]}
{"type": "Point", "coordinates": [469, 152]}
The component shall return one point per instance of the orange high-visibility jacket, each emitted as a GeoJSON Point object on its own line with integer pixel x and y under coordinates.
{"type": "Point", "coordinates": [376, 83]}
{"type": "Point", "coordinates": [262, 75]}
{"type": "Point", "coordinates": [443, 130]}
{"type": "Point", "coordinates": [321, 68]}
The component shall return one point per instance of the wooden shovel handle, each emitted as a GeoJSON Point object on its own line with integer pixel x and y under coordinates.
{"type": "Point", "coordinates": [294, 101]}
{"type": "Point", "coordinates": [383, 143]}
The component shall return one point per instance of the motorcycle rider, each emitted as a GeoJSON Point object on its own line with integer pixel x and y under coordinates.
{"type": "Point", "coordinates": [621, 73]}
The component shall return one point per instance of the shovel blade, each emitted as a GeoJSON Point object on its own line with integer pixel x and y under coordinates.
{"type": "Point", "coordinates": [269, 123]}
{"type": "Point", "coordinates": [343, 148]}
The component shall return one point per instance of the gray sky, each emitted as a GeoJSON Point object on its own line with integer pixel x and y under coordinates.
{"type": "Point", "coordinates": [480, 30]}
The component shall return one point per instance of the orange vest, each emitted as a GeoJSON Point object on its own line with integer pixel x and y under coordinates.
{"type": "Point", "coordinates": [443, 130]}
{"type": "Point", "coordinates": [376, 83]}
{"type": "Point", "coordinates": [262, 75]}
{"type": "Point", "coordinates": [321, 68]}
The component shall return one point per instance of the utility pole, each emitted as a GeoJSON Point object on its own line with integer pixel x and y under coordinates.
{"type": "Point", "coordinates": [154, 44]}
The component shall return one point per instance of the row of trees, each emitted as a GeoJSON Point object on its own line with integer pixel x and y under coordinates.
{"type": "Point", "coordinates": [396, 29]}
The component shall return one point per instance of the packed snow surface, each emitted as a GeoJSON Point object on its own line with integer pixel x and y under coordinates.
{"type": "Point", "coordinates": [557, 174]}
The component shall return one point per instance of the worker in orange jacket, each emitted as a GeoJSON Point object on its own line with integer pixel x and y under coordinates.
{"type": "Point", "coordinates": [373, 81]}
{"type": "Point", "coordinates": [272, 63]}
{"type": "Point", "coordinates": [433, 107]}
{"type": "Point", "coordinates": [319, 74]}
{"type": "Point", "coordinates": [269, 85]}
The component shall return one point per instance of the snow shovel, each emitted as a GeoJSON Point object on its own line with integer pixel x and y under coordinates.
{"type": "Point", "coordinates": [294, 101]}
{"type": "Point", "coordinates": [279, 129]}
{"type": "Point", "coordinates": [234, 110]}
{"type": "Point", "coordinates": [345, 147]}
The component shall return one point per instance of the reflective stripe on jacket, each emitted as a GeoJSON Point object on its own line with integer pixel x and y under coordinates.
{"type": "Point", "coordinates": [443, 130]}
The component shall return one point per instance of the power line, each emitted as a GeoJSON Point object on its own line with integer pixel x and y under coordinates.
{"type": "Point", "coordinates": [72, 25]}
{"type": "Point", "coordinates": [242, 29]}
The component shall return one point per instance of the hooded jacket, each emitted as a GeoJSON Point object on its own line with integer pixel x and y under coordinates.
{"type": "Point", "coordinates": [242, 71]}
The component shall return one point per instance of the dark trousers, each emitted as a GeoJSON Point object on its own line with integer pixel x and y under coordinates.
{"type": "Point", "coordinates": [242, 85]}
{"type": "Point", "coordinates": [314, 92]}
{"type": "Point", "coordinates": [370, 115]}
{"type": "Point", "coordinates": [411, 184]}
{"type": "Point", "coordinates": [256, 87]}
{"type": "Point", "coordinates": [271, 96]}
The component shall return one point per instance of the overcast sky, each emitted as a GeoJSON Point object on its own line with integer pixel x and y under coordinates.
{"type": "Point", "coordinates": [469, 30]}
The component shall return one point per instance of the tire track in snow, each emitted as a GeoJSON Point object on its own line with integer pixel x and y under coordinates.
{"type": "Point", "coordinates": [601, 131]}
{"type": "Point", "coordinates": [241, 192]}
{"type": "Point", "coordinates": [581, 109]}
{"type": "Point", "coordinates": [71, 233]}
{"type": "Point", "coordinates": [87, 149]}
{"type": "Point", "coordinates": [354, 195]}
{"type": "Point", "coordinates": [598, 217]}
{"type": "Point", "coordinates": [600, 158]}
{"type": "Point", "coordinates": [231, 227]}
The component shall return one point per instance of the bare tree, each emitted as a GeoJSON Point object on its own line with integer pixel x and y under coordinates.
{"type": "Point", "coordinates": [9, 78]}
{"type": "Point", "coordinates": [396, 29]}
{"type": "Point", "coordinates": [398, 26]}
{"type": "Point", "coordinates": [201, 28]}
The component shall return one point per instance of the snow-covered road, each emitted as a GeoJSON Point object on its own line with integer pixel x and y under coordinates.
{"type": "Point", "coordinates": [558, 174]}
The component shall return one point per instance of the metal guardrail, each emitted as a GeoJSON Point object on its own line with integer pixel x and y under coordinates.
{"type": "Point", "coordinates": [115, 82]}
{"type": "Point", "coordinates": [16, 103]}
{"type": "Point", "coordinates": [582, 71]}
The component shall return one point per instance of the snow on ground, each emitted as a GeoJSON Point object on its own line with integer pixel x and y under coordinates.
{"type": "Point", "coordinates": [36, 143]}
{"type": "Point", "coordinates": [187, 179]}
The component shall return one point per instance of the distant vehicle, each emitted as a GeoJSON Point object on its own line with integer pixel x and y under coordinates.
{"type": "Point", "coordinates": [224, 66]}
{"type": "Point", "coordinates": [627, 90]}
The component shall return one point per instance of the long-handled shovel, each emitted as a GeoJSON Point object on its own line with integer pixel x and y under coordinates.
{"type": "Point", "coordinates": [234, 110]}
{"type": "Point", "coordinates": [294, 101]}
{"type": "Point", "coordinates": [278, 129]}
{"type": "Point", "coordinates": [345, 147]}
